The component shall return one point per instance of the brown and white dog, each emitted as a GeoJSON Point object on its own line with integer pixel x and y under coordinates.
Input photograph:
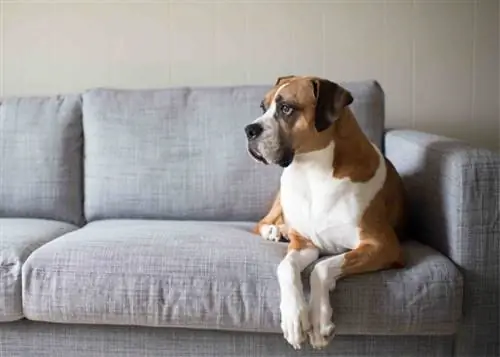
{"type": "Point", "coordinates": [338, 196]}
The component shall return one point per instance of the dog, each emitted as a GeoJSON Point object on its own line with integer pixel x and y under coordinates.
{"type": "Point", "coordinates": [339, 196]}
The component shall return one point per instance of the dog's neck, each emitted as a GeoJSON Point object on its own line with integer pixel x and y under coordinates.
{"type": "Point", "coordinates": [344, 148]}
{"type": "Point", "coordinates": [321, 158]}
{"type": "Point", "coordinates": [355, 156]}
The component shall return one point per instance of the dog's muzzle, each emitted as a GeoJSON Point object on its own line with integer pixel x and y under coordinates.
{"type": "Point", "coordinates": [253, 131]}
{"type": "Point", "coordinates": [267, 149]}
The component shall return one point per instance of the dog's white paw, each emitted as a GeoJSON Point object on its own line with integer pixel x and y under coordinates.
{"type": "Point", "coordinates": [320, 336]}
{"type": "Point", "coordinates": [322, 328]}
{"type": "Point", "coordinates": [270, 232]}
{"type": "Point", "coordinates": [294, 320]}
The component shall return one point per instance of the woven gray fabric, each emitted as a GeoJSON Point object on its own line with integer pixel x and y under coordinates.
{"type": "Point", "coordinates": [219, 276]}
{"type": "Point", "coordinates": [454, 192]}
{"type": "Point", "coordinates": [18, 238]}
{"type": "Point", "coordinates": [41, 158]}
{"type": "Point", "coordinates": [33, 339]}
{"type": "Point", "coordinates": [181, 153]}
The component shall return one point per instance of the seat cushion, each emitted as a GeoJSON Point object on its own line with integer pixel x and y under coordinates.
{"type": "Point", "coordinates": [41, 150]}
{"type": "Point", "coordinates": [219, 276]}
{"type": "Point", "coordinates": [180, 153]}
{"type": "Point", "coordinates": [18, 238]}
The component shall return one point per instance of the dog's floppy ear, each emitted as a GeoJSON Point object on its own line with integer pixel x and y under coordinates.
{"type": "Point", "coordinates": [283, 79]}
{"type": "Point", "coordinates": [330, 100]}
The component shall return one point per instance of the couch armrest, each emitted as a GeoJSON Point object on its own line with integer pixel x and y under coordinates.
{"type": "Point", "coordinates": [453, 195]}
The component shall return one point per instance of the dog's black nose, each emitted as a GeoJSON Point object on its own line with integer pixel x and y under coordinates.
{"type": "Point", "coordinates": [253, 131]}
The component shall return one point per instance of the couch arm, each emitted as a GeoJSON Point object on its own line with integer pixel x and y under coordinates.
{"type": "Point", "coordinates": [453, 194]}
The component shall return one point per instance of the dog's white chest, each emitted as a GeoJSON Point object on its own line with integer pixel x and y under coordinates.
{"type": "Point", "coordinates": [322, 208]}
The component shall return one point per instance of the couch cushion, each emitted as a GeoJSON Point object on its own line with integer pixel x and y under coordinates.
{"type": "Point", "coordinates": [18, 238]}
{"type": "Point", "coordinates": [180, 153]}
{"type": "Point", "coordinates": [41, 158]}
{"type": "Point", "coordinates": [218, 275]}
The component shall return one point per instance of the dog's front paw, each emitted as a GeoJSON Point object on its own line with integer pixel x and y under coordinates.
{"type": "Point", "coordinates": [294, 321]}
{"type": "Point", "coordinates": [270, 232]}
{"type": "Point", "coordinates": [321, 335]}
{"type": "Point", "coordinates": [322, 328]}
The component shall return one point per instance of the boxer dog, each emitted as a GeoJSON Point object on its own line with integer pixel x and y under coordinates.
{"type": "Point", "coordinates": [339, 196]}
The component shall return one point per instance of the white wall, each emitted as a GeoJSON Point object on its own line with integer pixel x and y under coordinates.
{"type": "Point", "coordinates": [438, 61]}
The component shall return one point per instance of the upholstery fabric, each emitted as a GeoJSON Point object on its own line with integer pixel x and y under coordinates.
{"type": "Point", "coordinates": [219, 276]}
{"type": "Point", "coordinates": [18, 238]}
{"type": "Point", "coordinates": [41, 147]}
{"type": "Point", "coordinates": [181, 153]}
{"type": "Point", "coordinates": [454, 190]}
{"type": "Point", "coordinates": [35, 339]}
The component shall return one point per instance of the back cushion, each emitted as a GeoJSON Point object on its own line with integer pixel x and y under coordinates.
{"type": "Point", "coordinates": [180, 153]}
{"type": "Point", "coordinates": [41, 158]}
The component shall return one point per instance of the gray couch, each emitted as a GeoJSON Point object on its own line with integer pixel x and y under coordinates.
{"type": "Point", "coordinates": [125, 221]}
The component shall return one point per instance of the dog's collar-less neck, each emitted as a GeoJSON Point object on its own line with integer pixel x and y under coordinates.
{"type": "Point", "coordinates": [322, 157]}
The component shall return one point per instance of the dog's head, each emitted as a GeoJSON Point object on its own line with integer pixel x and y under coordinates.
{"type": "Point", "coordinates": [297, 112]}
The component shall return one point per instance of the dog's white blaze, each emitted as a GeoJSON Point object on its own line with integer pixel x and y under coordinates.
{"type": "Point", "coordinates": [269, 114]}
{"type": "Point", "coordinates": [268, 143]}
{"type": "Point", "coordinates": [324, 209]}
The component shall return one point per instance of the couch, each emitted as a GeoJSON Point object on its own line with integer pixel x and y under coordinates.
{"type": "Point", "coordinates": [125, 218]}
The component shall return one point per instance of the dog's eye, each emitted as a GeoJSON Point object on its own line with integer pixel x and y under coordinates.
{"type": "Point", "coordinates": [286, 109]}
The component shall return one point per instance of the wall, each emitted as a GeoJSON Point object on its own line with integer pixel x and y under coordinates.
{"type": "Point", "coordinates": [438, 61]}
